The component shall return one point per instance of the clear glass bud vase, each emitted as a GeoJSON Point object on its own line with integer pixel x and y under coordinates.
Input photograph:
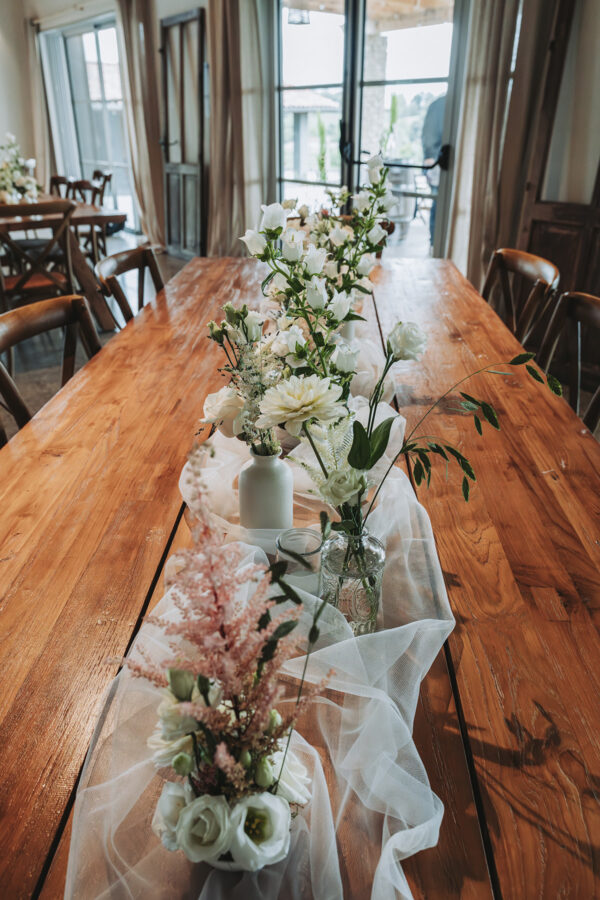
{"type": "Point", "coordinates": [351, 576]}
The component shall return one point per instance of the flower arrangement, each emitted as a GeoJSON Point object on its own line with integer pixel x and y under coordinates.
{"type": "Point", "coordinates": [15, 181]}
{"type": "Point", "coordinates": [219, 728]}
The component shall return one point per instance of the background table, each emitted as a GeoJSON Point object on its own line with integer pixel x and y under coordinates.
{"type": "Point", "coordinates": [508, 718]}
{"type": "Point", "coordinates": [84, 214]}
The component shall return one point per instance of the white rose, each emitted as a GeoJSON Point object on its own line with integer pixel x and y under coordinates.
{"type": "Point", "coordinates": [343, 486]}
{"type": "Point", "coordinates": [331, 269]}
{"type": "Point", "coordinates": [407, 341]}
{"type": "Point", "coordinates": [294, 779]}
{"type": "Point", "coordinates": [377, 234]}
{"type": "Point", "coordinates": [314, 260]}
{"type": "Point", "coordinates": [297, 399]}
{"type": "Point", "coordinates": [303, 211]}
{"type": "Point", "coordinates": [203, 829]}
{"type": "Point", "coordinates": [340, 305]}
{"type": "Point", "coordinates": [254, 241]}
{"type": "Point", "coordinates": [274, 216]}
{"type": "Point", "coordinates": [338, 236]}
{"type": "Point", "coordinates": [254, 325]}
{"type": "Point", "coordinates": [366, 263]}
{"type": "Point", "coordinates": [362, 201]}
{"type": "Point", "coordinates": [171, 802]}
{"type": "Point", "coordinates": [345, 357]}
{"type": "Point", "coordinates": [223, 408]}
{"type": "Point", "coordinates": [316, 293]}
{"type": "Point", "coordinates": [290, 203]}
{"type": "Point", "coordinates": [260, 831]}
{"type": "Point", "coordinates": [293, 245]}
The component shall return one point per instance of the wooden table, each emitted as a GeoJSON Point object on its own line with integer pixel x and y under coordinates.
{"type": "Point", "coordinates": [507, 723]}
{"type": "Point", "coordinates": [84, 214]}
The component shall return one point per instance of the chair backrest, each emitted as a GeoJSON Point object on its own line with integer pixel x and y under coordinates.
{"type": "Point", "coordinates": [25, 322]}
{"type": "Point", "coordinates": [541, 273]}
{"type": "Point", "coordinates": [108, 270]}
{"type": "Point", "coordinates": [86, 191]}
{"type": "Point", "coordinates": [572, 311]}
{"type": "Point", "coordinates": [32, 263]}
{"type": "Point", "coordinates": [104, 179]}
{"type": "Point", "coordinates": [59, 185]}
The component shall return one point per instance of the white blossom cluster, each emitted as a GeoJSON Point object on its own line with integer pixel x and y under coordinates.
{"type": "Point", "coordinates": [15, 182]}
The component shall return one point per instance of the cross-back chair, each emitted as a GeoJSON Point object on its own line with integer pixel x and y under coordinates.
{"type": "Point", "coordinates": [35, 262]}
{"type": "Point", "coordinates": [60, 185]}
{"type": "Point", "coordinates": [573, 311]}
{"type": "Point", "coordinates": [70, 313]}
{"type": "Point", "coordinates": [92, 192]}
{"type": "Point", "coordinates": [540, 273]}
{"type": "Point", "coordinates": [108, 270]}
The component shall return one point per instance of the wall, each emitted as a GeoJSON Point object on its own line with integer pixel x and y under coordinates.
{"type": "Point", "coordinates": [15, 101]}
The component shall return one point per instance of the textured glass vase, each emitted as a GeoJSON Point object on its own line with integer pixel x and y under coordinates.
{"type": "Point", "coordinates": [266, 489]}
{"type": "Point", "coordinates": [351, 576]}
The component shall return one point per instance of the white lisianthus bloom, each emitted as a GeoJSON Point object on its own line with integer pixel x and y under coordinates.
{"type": "Point", "coordinates": [254, 325]}
{"type": "Point", "coordinates": [297, 399]}
{"type": "Point", "coordinates": [316, 293]}
{"type": "Point", "coordinates": [362, 201]}
{"type": "Point", "coordinates": [388, 201]}
{"type": "Point", "coordinates": [345, 357]}
{"type": "Point", "coordinates": [164, 751]}
{"type": "Point", "coordinates": [377, 234]}
{"type": "Point", "coordinates": [303, 211]}
{"type": "Point", "coordinates": [293, 245]}
{"type": "Point", "coordinates": [285, 341]}
{"type": "Point", "coordinates": [338, 236]}
{"type": "Point", "coordinates": [407, 341]}
{"type": "Point", "coordinates": [330, 269]}
{"type": "Point", "coordinates": [343, 486]}
{"type": "Point", "coordinates": [260, 831]}
{"type": "Point", "coordinates": [274, 216]}
{"type": "Point", "coordinates": [366, 263]}
{"type": "Point", "coordinates": [340, 305]}
{"type": "Point", "coordinates": [314, 260]}
{"type": "Point", "coordinates": [374, 167]}
{"type": "Point", "coordinates": [204, 828]}
{"type": "Point", "coordinates": [170, 804]}
{"type": "Point", "coordinates": [254, 241]}
{"type": "Point", "coordinates": [223, 408]}
{"type": "Point", "coordinates": [290, 203]}
{"type": "Point", "coordinates": [172, 723]}
{"type": "Point", "coordinates": [294, 780]}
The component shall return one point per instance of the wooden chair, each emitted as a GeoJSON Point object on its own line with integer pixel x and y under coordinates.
{"type": "Point", "coordinates": [572, 311]}
{"type": "Point", "coordinates": [108, 270]}
{"type": "Point", "coordinates": [60, 186]}
{"type": "Point", "coordinates": [35, 262]}
{"type": "Point", "coordinates": [17, 325]}
{"type": "Point", "coordinates": [92, 238]}
{"type": "Point", "coordinates": [544, 275]}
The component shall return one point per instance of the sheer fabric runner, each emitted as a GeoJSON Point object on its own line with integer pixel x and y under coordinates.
{"type": "Point", "coordinates": [359, 732]}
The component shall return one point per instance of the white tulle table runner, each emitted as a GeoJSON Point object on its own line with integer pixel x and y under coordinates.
{"type": "Point", "coordinates": [361, 728]}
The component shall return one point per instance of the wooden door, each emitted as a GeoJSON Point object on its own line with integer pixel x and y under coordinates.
{"type": "Point", "coordinates": [561, 213]}
{"type": "Point", "coordinates": [183, 78]}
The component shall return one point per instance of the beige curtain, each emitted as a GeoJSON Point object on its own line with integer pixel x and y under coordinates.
{"type": "Point", "coordinates": [136, 19]}
{"type": "Point", "coordinates": [39, 113]}
{"type": "Point", "coordinates": [241, 46]}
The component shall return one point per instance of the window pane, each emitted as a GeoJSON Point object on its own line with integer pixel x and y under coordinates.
{"type": "Point", "coordinates": [310, 134]}
{"type": "Point", "coordinates": [312, 42]}
{"type": "Point", "coordinates": [109, 56]}
{"type": "Point", "coordinates": [403, 121]}
{"type": "Point", "coordinates": [91, 65]}
{"type": "Point", "coordinates": [413, 44]}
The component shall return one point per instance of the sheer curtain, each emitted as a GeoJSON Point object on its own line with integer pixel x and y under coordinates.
{"type": "Point", "coordinates": [39, 114]}
{"type": "Point", "coordinates": [136, 19]}
{"type": "Point", "coordinates": [241, 47]}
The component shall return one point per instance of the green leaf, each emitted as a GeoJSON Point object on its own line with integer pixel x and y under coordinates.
{"type": "Point", "coordinates": [467, 468]}
{"type": "Point", "coordinates": [325, 524]}
{"type": "Point", "coordinates": [498, 372]}
{"type": "Point", "coordinates": [418, 472]}
{"type": "Point", "coordinates": [267, 280]}
{"type": "Point", "coordinates": [422, 454]}
{"type": "Point", "coordinates": [554, 385]}
{"type": "Point", "coordinates": [283, 629]}
{"type": "Point", "coordinates": [521, 358]}
{"type": "Point", "coordinates": [436, 448]}
{"type": "Point", "coordinates": [345, 525]}
{"type": "Point", "coordinates": [354, 317]}
{"type": "Point", "coordinates": [289, 593]}
{"type": "Point", "coordinates": [360, 451]}
{"type": "Point", "coordinates": [454, 452]}
{"type": "Point", "coordinates": [470, 399]}
{"type": "Point", "coordinates": [301, 560]}
{"type": "Point", "coordinates": [318, 339]}
{"type": "Point", "coordinates": [313, 635]}
{"type": "Point", "coordinates": [181, 683]}
{"type": "Point", "coordinates": [204, 686]}
{"type": "Point", "coordinates": [465, 488]}
{"type": "Point", "coordinates": [278, 569]}
{"type": "Point", "coordinates": [470, 407]}
{"type": "Point", "coordinates": [535, 374]}
{"type": "Point", "coordinates": [477, 421]}
{"type": "Point", "coordinates": [379, 440]}
{"type": "Point", "coordinates": [491, 415]}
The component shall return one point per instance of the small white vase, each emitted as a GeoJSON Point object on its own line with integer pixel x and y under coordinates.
{"type": "Point", "coordinates": [266, 489]}
{"type": "Point", "coordinates": [347, 330]}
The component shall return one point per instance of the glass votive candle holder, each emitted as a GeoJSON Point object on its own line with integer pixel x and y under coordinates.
{"type": "Point", "coordinates": [305, 544]}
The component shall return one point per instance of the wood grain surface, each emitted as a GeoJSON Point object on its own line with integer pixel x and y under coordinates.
{"type": "Point", "coordinates": [89, 499]}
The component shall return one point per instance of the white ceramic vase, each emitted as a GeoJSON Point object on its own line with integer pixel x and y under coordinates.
{"type": "Point", "coordinates": [266, 490]}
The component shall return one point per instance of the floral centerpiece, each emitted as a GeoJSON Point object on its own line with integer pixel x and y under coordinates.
{"type": "Point", "coordinates": [232, 782]}
{"type": "Point", "coordinates": [16, 181]}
